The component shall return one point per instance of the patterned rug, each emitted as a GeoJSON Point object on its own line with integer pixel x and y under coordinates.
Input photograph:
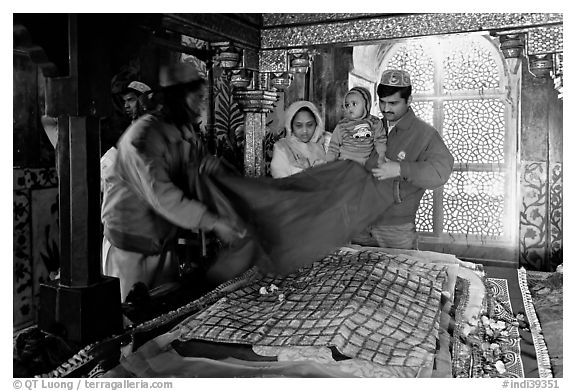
{"type": "Point", "coordinates": [506, 336]}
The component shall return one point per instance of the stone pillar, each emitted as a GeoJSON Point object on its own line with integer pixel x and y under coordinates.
{"type": "Point", "coordinates": [540, 168]}
{"type": "Point", "coordinates": [255, 104]}
{"type": "Point", "coordinates": [83, 305]}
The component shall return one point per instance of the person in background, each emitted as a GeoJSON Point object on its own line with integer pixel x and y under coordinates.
{"type": "Point", "coordinates": [303, 146]}
{"type": "Point", "coordinates": [358, 133]}
{"type": "Point", "coordinates": [157, 155]}
{"type": "Point", "coordinates": [418, 160]}
{"type": "Point", "coordinates": [136, 99]}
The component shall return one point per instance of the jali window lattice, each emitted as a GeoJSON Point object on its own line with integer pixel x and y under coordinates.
{"type": "Point", "coordinates": [459, 88]}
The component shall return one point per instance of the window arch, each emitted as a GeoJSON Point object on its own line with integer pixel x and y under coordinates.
{"type": "Point", "coordinates": [462, 87]}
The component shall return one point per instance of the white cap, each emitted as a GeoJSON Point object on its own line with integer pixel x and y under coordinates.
{"type": "Point", "coordinates": [138, 87]}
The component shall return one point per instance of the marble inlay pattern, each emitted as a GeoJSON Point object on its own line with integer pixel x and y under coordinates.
{"type": "Point", "coordinates": [533, 210]}
{"type": "Point", "coordinates": [27, 178]}
{"type": "Point", "coordinates": [545, 40]}
{"type": "Point", "coordinates": [25, 281]}
{"type": "Point", "coordinates": [273, 61]}
{"type": "Point", "coordinates": [19, 178]}
{"type": "Point", "coordinates": [556, 209]}
{"type": "Point", "coordinates": [23, 313]}
{"type": "Point", "coordinates": [379, 28]}
{"type": "Point", "coordinates": [283, 19]}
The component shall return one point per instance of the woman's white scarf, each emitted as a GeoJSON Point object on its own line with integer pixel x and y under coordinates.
{"type": "Point", "coordinates": [300, 154]}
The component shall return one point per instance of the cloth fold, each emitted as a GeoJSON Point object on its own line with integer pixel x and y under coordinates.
{"type": "Point", "coordinates": [294, 221]}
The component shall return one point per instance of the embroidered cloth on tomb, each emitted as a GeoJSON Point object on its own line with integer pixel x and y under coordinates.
{"type": "Point", "coordinates": [372, 306]}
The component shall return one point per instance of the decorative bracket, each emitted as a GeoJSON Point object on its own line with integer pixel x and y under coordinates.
{"type": "Point", "coordinates": [281, 80]}
{"type": "Point", "coordinates": [512, 48]}
{"type": "Point", "coordinates": [256, 101]}
{"type": "Point", "coordinates": [228, 56]}
{"type": "Point", "coordinates": [541, 65]}
{"type": "Point", "coordinates": [300, 60]}
{"type": "Point", "coordinates": [512, 45]}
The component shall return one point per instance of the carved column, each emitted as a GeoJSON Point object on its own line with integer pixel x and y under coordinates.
{"type": "Point", "coordinates": [255, 103]}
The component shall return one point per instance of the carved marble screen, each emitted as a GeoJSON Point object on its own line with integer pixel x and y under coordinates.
{"type": "Point", "coordinates": [459, 88]}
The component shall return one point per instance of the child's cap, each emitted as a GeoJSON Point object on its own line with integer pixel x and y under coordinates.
{"type": "Point", "coordinates": [395, 78]}
{"type": "Point", "coordinates": [365, 94]}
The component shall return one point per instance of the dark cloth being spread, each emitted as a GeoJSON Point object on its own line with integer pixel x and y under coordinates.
{"type": "Point", "coordinates": [293, 221]}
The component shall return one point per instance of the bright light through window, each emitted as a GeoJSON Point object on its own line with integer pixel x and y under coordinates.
{"type": "Point", "coordinates": [459, 87]}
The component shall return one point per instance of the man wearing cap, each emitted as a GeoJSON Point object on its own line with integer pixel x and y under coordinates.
{"type": "Point", "coordinates": [418, 160]}
{"type": "Point", "coordinates": [135, 98]}
{"type": "Point", "coordinates": [156, 156]}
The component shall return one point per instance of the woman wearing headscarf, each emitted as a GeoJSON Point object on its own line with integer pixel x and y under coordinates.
{"type": "Point", "coordinates": [303, 146]}
{"type": "Point", "coordinates": [158, 157]}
